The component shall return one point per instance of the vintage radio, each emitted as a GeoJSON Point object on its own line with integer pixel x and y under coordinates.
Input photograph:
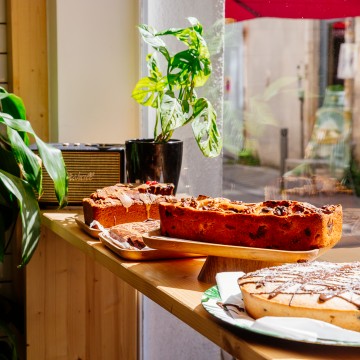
{"type": "Point", "coordinates": [89, 166]}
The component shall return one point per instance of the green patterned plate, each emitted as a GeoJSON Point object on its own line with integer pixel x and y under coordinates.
{"type": "Point", "coordinates": [211, 302]}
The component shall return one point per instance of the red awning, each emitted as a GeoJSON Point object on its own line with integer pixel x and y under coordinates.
{"type": "Point", "coordinates": [239, 10]}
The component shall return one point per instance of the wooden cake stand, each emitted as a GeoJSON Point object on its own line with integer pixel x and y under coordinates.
{"type": "Point", "coordinates": [229, 258]}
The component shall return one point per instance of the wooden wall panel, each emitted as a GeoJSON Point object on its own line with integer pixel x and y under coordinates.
{"type": "Point", "coordinates": [28, 60]}
{"type": "Point", "coordinates": [77, 309]}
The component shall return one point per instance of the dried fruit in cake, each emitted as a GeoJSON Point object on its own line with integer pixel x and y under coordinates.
{"type": "Point", "coordinates": [122, 203]}
{"type": "Point", "coordinates": [318, 290]}
{"type": "Point", "coordinates": [277, 224]}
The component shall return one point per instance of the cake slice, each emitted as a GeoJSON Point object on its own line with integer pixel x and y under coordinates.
{"type": "Point", "coordinates": [131, 233]}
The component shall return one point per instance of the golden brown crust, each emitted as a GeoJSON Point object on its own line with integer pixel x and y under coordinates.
{"type": "Point", "coordinates": [285, 225]}
{"type": "Point", "coordinates": [124, 203]}
{"type": "Point", "coordinates": [320, 290]}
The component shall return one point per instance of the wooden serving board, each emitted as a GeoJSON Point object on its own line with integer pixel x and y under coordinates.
{"type": "Point", "coordinates": [229, 258]}
{"type": "Point", "coordinates": [145, 254]}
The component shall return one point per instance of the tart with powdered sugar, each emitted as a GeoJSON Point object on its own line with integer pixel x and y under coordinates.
{"type": "Point", "coordinates": [319, 290]}
{"type": "Point", "coordinates": [123, 203]}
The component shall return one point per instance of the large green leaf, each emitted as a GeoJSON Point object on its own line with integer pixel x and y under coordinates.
{"type": "Point", "coordinates": [149, 35]}
{"type": "Point", "coordinates": [153, 67]}
{"type": "Point", "coordinates": [171, 114]}
{"type": "Point", "coordinates": [187, 35]}
{"type": "Point", "coordinates": [195, 23]}
{"type": "Point", "coordinates": [16, 124]}
{"type": "Point", "coordinates": [29, 212]}
{"type": "Point", "coordinates": [21, 175]}
{"type": "Point", "coordinates": [147, 91]}
{"type": "Point", "coordinates": [55, 166]}
{"type": "Point", "coordinates": [8, 162]}
{"type": "Point", "coordinates": [29, 163]}
{"type": "Point", "coordinates": [15, 107]}
{"type": "Point", "coordinates": [205, 129]}
{"type": "Point", "coordinates": [185, 63]}
{"type": "Point", "coordinates": [192, 37]}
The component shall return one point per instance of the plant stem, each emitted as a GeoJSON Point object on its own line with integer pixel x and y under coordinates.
{"type": "Point", "coordinates": [157, 119]}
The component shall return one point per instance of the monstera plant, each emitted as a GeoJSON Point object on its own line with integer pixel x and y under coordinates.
{"type": "Point", "coordinates": [172, 88]}
{"type": "Point", "coordinates": [21, 174]}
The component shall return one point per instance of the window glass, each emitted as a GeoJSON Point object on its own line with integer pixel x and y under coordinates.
{"type": "Point", "coordinates": [291, 112]}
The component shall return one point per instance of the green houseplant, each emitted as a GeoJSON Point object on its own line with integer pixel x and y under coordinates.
{"type": "Point", "coordinates": [21, 175]}
{"type": "Point", "coordinates": [172, 91]}
{"type": "Point", "coordinates": [20, 187]}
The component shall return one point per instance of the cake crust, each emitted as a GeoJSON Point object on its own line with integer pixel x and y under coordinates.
{"type": "Point", "coordinates": [319, 290]}
{"type": "Point", "coordinates": [283, 224]}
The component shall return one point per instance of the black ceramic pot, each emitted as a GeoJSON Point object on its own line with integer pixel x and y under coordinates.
{"type": "Point", "coordinates": [149, 161]}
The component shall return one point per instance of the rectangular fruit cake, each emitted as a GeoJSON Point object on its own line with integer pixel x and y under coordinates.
{"type": "Point", "coordinates": [123, 203]}
{"type": "Point", "coordinates": [277, 224]}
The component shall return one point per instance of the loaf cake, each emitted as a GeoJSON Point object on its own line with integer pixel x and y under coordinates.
{"type": "Point", "coordinates": [124, 203]}
{"type": "Point", "coordinates": [319, 290]}
{"type": "Point", "coordinates": [131, 233]}
{"type": "Point", "coordinates": [277, 224]}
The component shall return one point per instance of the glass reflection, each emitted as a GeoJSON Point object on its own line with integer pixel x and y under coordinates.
{"type": "Point", "coordinates": [290, 112]}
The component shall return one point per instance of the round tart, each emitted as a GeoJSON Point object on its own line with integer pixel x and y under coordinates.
{"type": "Point", "coordinates": [319, 290]}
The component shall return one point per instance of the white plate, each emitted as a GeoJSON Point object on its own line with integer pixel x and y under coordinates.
{"type": "Point", "coordinates": [211, 298]}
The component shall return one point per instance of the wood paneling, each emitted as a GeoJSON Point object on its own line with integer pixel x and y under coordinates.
{"type": "Point", "coordinates": [28, 67]}
{"type": "Point", "coordinates": [76, 308]}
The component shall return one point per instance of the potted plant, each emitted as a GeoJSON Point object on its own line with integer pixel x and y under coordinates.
{"type": "Point", "coordinates": [172, 93]}
{"type": "Point", "coordinates": [21, 175]}
{"type": "Point", "coordinates": [20, 187]}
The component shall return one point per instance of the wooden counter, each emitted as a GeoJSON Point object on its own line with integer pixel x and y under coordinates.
{"type": "Point", "coordinates": [80, 304]}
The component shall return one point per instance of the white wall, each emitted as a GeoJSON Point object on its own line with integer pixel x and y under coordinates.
{"type": "Point", "coordinates": [94, 67]}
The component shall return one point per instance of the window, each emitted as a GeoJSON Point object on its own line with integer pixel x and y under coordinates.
{"type": "Point", "coordinates": [290, 112]}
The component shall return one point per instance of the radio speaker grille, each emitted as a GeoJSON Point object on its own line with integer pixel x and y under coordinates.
{"type": "Point", "coordinates": [87, 172]}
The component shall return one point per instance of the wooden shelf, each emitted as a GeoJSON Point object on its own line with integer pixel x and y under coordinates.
{"type": "Point", "coordinates": [174, 285]}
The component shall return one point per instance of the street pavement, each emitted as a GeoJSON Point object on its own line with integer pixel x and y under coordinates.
{"type": "Point", "coordinates": [248, 183]}
{"type": "Point", "coordinates": [256, 183]}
